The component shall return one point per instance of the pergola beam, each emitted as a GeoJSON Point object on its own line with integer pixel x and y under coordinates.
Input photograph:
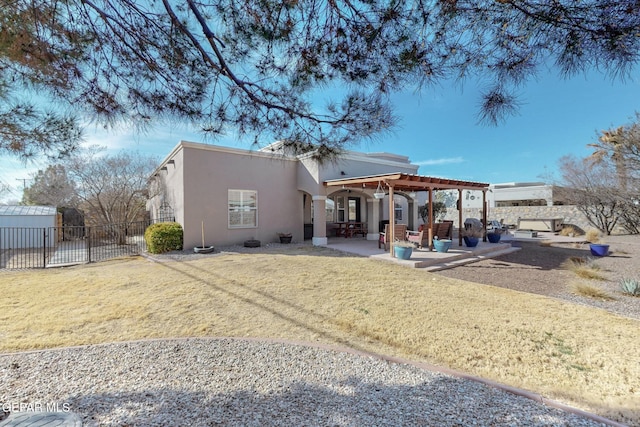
{"type": "Point", "coordinates": [406, 182]}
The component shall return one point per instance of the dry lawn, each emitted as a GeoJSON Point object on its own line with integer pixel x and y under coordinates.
{"type": "Point", "coordinates": [580, 355]}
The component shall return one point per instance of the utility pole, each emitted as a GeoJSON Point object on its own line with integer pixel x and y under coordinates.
{"type": "Point", "coordinates": [24, 182]}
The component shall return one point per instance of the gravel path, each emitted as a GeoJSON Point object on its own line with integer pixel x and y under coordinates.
{"type": "Point", "coordinates": [202, 382]}
{"type": "Point", "coordinates": [538, 269]}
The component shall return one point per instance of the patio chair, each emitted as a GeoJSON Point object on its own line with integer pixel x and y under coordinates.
{"type": "Point", "coordinates": [444, 230]}
{"type": "Point", "coordinates": [441, 230]}
{"type": "Point", "coordinates": [399, 231]}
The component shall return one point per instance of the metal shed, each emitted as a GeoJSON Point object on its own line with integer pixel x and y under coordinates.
{"type": "Point", "coordinates": [26, 226]}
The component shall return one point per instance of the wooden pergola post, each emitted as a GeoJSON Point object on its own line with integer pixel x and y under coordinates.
{"type": "Point", "coordinates": [392, 221]}
{"type": "Point", "coordinates": [430, 213]}
{"type": "Point", "coordinates": [460, 225]}
{"type": "Point", "coordinates": [485, 204]}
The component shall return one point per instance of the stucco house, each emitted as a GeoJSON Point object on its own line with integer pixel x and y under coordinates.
{"type": "Point", "coordinates": [241, 194]}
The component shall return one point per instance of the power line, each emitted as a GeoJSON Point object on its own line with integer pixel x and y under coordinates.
{"type": "Point", "coordinates": [24, 182]}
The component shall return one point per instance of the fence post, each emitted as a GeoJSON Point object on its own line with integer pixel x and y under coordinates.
{"type": "Point", "coordinates": [44, 248]}
{"type": "Point", "coordinates": [89, 244]}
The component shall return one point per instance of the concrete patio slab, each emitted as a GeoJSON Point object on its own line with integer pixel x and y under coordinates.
{"type": "Point", "coordinates": [423, 258]}
{"type": "Point", "coordinates": [457, 255]}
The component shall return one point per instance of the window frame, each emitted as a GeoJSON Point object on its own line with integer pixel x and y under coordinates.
{"type": "Point", "coordinates": [245, 196]}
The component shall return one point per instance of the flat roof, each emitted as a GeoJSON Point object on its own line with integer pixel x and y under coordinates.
{"type": "Point", "coordinates": [27, 210]}
{"type": "Point", "coordinates": [406, 182]}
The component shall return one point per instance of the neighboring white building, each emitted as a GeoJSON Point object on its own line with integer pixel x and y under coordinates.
{"type": "Point", "coordinates": [514, 194]}
{"type": "Point", "coordinates": [14, 219]}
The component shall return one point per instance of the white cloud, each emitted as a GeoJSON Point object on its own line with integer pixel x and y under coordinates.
{"type": "Point", "coordinates": [437, 162]}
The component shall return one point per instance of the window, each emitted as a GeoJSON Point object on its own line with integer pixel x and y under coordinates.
{"type": "Point", "coordinates": [398, 211]}
{"type": "Point", "coordinates": [340, 209]}
{"type": "Point", "coordinates": [330, 210]}
{"type": "Point", "coordinates": [243, 209]}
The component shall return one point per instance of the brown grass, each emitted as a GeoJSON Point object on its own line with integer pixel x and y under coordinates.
{"type": "Point", "coordinates": [584, 268]}
{"type": "Point", "coordinates": [580, 355]}
{"type": "Point", "coordinates": [570, 230]}
{"type": "Point", "coordinates": [593, 235]}
{"type": "Point", "coordinates": [591, 291]}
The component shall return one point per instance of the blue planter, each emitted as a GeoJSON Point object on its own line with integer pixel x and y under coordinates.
{"type": "Point", "coordinates": [471, 242]}
{"type": "Point", "coordinates": [441, 245]}
{"type": "Point", "coordinates": [402, 252]}
{"type": "Point", "coordinates": [493, 237]}
{"type": "Point", "coordinates": [598, 249]}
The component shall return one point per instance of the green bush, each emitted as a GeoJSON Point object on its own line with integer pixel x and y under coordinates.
{"type": "Point", "coordinates": [163, 237]}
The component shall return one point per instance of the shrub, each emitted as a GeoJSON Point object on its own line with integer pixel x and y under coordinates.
{"type": "Point", "coordinates": [592, 235]}
{"type": "Point", "coordinates": [591, 291]}
{"type": "Point", "coordinates": [163, 237]}
{"type": "Point", "coordinates": [571, 231]}
{"type": "Point", "coordinates": [630, 286]}
{"type": "Point", "coordinates": [585, 268]}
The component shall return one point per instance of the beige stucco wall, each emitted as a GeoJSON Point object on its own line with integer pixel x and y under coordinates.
{"type": "Point", "coordinates": [312, 175]}
{"type": "Point", "coordinates": [198, 185]}
{"type": "Point", "coordinates": [172, 194]}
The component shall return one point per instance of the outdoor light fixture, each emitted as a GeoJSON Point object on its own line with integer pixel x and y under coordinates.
{"type": "Point", "coordinates": [379, 194]}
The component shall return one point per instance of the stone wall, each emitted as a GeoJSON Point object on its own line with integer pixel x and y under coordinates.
{"type": "Point", "coordinates": [509, 215]}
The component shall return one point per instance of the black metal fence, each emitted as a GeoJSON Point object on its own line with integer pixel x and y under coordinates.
{"type": "Point", "coordinates": [57, 246]}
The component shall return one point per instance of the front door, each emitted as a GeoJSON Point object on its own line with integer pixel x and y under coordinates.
{"type": "Point", "coordinates": [354, 209]}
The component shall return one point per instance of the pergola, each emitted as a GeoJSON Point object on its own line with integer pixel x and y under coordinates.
{"type": "Point", "coordinates": [410, 183]}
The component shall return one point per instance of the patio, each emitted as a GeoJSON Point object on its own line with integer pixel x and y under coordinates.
{"type": "Point", "coordinates": [423, 258]}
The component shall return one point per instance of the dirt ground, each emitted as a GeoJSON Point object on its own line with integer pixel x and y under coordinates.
{"type": "Point", "coordinates": [537, 268]}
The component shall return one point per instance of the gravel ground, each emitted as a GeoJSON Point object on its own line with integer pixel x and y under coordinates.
{"type": "Point", "coordinates": [200, 382]}
{"type": "Point", "coordinates": [538, 269]}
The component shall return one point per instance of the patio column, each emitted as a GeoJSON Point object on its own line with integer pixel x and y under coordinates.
{"type": "Point", "coordinates": [319, 220]}
{"type": "Point", "coordinates": [413, 211]}
{"type": "Point", "coordinates": [372, 232]}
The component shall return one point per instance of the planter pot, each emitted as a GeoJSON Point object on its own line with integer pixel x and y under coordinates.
{"type": "Point", "coordinates": [493, 237]}
{"type": "Point", "coordinates": [203, 249]}
{"type": "Point", "coordinates": [441, 245]}
{"type": "Point", "coordinates": [598, 249]}
{"type": "Point", "coordinates": [403, 252]}
{"type": "Point", "coordinates": [252, 243]}
{"type": "Point", "coordinates": [285, 239]}
{"type": "Point", "coordinates": [471, 242]}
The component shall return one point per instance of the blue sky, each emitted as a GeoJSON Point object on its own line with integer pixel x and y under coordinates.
{"type": "Point", "coordinates": [439, 130]}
